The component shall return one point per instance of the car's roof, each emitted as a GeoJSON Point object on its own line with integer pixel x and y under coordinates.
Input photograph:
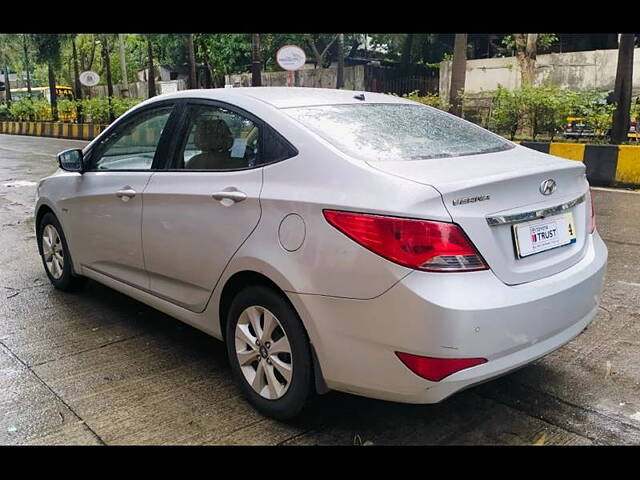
{"type": "Point", "coordinates": [286, 97]}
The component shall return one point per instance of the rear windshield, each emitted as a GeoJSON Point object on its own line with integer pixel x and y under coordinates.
{"type": "Point", "coordinates": [378, 132]}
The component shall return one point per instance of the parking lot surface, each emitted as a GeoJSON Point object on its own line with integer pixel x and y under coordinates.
{"type": "Point", "coordinates": [96, 367]}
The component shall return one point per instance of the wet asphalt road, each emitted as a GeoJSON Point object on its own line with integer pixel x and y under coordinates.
{"type": "Point", "coordinates": [96, 367]}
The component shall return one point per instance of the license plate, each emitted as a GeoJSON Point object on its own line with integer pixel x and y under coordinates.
{"type": "Point", "coordinates": [541, 235]}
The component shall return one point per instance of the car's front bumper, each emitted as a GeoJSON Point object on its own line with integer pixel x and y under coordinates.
{"type": "Point", "coordinates": [449, 315]}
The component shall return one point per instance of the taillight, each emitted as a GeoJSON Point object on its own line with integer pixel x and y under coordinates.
{"type": "Point", "coordinates": [592, 222]}
{"type": "Point", "coordinates": [420, 244]}
{"type": "Point", "coordinates": [435, 369]}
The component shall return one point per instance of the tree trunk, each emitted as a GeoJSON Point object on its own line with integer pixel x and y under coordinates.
{"type": "Point", "coordinates": [622, 91]}
{"type": "Point", "coordinates": [612, 40]}
{"type": "Point", "coordinates": [152, 76]}
{"type": "Point", "coordinates": [107, 65]}
{"type": "Point", "coordinates": [26, 63]}
{"type": "Point", "coordinates": [340, 72]}
{"type": "Point", "coordinates": [256, 63]}
{"type": "Point", "coordinates": [526, 50]}
{"type": "Point", "coordinates": [7, 83]}
{"type": "Point", "coordinates": [93, 52]}
{"type": "Point", "coordinates": [52, 91]}
{"type": "Point", "coordinates": [193, 79]}
{"type": "Point", "coordinates": [123, 67]}
{"type": "Point", "coordinates": [211, 77]}
{"type": "Point", "coordinates": [76, 81]}
{"type": "Point", "coordinates": [405, 59]}
{"type": "Point", "coordinates": [458, 73]}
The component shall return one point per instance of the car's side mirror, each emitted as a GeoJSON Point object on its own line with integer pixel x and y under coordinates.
{"type": "Point", "coordinates": [71, 160]}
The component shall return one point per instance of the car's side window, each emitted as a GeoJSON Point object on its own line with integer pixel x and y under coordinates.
{"type": "Point", "coordinates": [274, 148]}
{"type": "Point", "coordinates": [132, 146]}
{"type": "Point", "coordinates": [218, 139]}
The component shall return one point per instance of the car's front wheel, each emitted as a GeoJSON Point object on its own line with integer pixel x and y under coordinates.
{"type": "Point", "coordinates": [269, 352]}
{"type": "Point", "coordinates": [55, 254]}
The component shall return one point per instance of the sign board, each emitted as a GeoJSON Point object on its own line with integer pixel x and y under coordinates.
{"type": "Point", "coordinates": [291, 57]}
{"type": "Point", "coordinates": [13, 77]}
{"type": "Point", "coordinates": [89, 78]}
{"type": "Point", "coordinates": [168, 87]}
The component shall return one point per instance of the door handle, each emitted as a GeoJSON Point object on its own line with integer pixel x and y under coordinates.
{"type": "Point", "coordinates": [126, 193]}
{"type": "Point", "coordinates": [233, 195]}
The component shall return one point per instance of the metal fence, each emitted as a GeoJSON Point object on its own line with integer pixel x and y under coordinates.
{"type": "Point", "coordinates": [404, 85]}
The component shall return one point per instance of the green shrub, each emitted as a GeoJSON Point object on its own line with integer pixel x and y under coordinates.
{"type": "Point", "coordinates": [96, 110]}
{"type": "Point", "coordinates": [42, 110]}
{"type": "Point", "coordinates": [505, 112]}
{"type": "Point", "coordinates": [546, 109]}
{"type": "Point", "coordinates": [121, 105]}
{"type": "Point", "coordinates": [23, 109]}
{"type": "Point", "coordinates": [67, 110]}
{"type": "Point", "coordinates": [431, 99]}
{"type": "Point", "coordinates": [4, 112]}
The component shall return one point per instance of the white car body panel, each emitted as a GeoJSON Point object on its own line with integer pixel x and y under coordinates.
{"type": "Point", "coordinates": [357, 307]}
{"type": "Point", "coordinates": [189, 237]}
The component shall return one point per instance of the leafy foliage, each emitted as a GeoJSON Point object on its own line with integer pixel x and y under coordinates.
{"type": "Point", "coordinates": [544, 43]}
{"type": "Point", "coordinates": [28, 109]}
{"type": "Point", "coordinates": [431, 99]}
{"type": "Point", "coordinates": [506, 111]}
{"type": "Point", "coordinates": [547, 108]}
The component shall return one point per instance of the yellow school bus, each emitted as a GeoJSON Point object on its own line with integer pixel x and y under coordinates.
{"type": "Point", "coordinates": [45, 92]}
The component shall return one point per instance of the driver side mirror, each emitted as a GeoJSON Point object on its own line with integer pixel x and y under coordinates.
{"type": "Point", "coordinates": [71, 160]}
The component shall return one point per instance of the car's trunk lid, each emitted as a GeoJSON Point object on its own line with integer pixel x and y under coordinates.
{"type": "Point", "coordinates": [501, 184]}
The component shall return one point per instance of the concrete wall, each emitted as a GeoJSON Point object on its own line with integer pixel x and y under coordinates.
{"type": "Point", "coordinates": [136, 89]}
{"type": "Point", "coordinates": [319, 77]}
{"type": "Point", "coordinates": [573, 70]}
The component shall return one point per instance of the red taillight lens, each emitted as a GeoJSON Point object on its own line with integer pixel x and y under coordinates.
{"type": "Point", "coordinates": [435, 369]}
{"type": "Point", "coordinates": [592, 223]}
{"type": "Point", "coordinates": [419, 244]}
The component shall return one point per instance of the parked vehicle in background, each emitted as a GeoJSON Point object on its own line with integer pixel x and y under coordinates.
{"type": "Point", "coordinates": [333, 239]}
{"type": "Point", "coordinates": [62, 92]}
{"type": "Point", "coordinates": [577, 127]}
{"type": "Point", "coordinates": [42, 92]}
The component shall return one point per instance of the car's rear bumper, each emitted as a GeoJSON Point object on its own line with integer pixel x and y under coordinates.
{"type": "Point", "coordinates": [449, 315]}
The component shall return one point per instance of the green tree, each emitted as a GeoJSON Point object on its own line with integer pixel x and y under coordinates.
{"type": "Point", "coordinates": [47, 47]}
{"type": "Point", "coordinates": [10, 59]}
{"type": "Point", "coordinates": [223, 54]}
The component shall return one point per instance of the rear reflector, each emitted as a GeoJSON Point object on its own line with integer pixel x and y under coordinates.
{"type": "Point", "coordinates": [435, 369]}
{"type": "Point", "coordinates": [420, 244]}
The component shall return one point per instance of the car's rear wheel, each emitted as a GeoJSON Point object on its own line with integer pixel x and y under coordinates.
{"type": "Point", "coordinates": [269, 352]}
{"type": "Point", "coordinates": [55, 254]}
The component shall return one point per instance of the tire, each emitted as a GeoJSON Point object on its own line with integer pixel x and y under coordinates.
{"type": "Point", "coordinates": [58, 266]}
{"type": "Point", "coordinates": [286, 398]}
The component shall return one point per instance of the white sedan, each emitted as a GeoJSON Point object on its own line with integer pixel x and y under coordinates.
{"type": "Point", "coordinates": [333, 239]}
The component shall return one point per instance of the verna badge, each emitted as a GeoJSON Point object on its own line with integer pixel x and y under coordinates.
{"type": "Point", "coordinates": [548, 187]}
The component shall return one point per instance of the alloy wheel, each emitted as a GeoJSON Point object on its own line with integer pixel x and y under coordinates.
{"type": "Point", "coordinates": [52, 251]}
{"type": "Point", "coordinates": [263, 352]}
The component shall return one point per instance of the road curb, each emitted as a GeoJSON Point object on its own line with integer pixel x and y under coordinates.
{"type": "Point", "coordinates": [607, 165]}
{"type": "Point", "coordinates": [75, 131]}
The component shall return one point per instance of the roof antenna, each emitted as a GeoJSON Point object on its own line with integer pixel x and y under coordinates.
{"type": "Point", "coordinates": [359, 96]}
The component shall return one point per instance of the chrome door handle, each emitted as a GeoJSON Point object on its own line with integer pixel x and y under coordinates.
{"type": "Point", "coordinates": [126, 192]}
{"type": "Point", "coordinates": [233, 195]}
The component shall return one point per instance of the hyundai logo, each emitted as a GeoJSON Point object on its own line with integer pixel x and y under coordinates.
{"type": "Point", "coordinates": [548, 187]}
